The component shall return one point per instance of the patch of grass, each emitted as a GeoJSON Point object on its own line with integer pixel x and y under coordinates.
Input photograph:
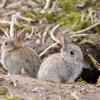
{"type": "Point", "coordinates": [40, 16]}
{"type": "Point", "coordinates": [2, 92]}
{"type": "Point", "coordinates": [68, 5]}
{"type": "Point", "coordinates": [52, 84]}
{"type": "Point", "coordinates": [97, 29]}
{"type": "Point", "coordinates": [17, 27]}
{"type": "Point", "coordinates": [77, 5]}
{"type": "Point", "coordinates": [81, 80]}
{"type": "Point", "coordinates": [51, 18]}
{"type": "Point", "coordinates": [70, 14]}
{"type": "Point", "coordinates": [70, 19]}
{"type": "Point", "coordinates": [11, 97]}
{"type": "Point", "coordinates": [29, 29]}
{"type": "Point", "coordinates": [26, 14]}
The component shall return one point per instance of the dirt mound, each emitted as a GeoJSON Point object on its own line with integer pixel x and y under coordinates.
{"type": "Point", "coordinates": [26, 88]}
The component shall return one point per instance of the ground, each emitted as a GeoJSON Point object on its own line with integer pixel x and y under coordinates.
{"type": "Point", "coordinates": [25, 88]}
{"type": "Point", "coordinates": [19, 87]}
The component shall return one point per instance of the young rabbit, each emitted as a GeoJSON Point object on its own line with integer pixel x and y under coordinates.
{"type": "Point", "coordinates": [62, 67]}
{"type": "Point", "coordinates": [16, 57]}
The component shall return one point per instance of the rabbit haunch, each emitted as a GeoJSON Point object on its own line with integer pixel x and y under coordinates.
{"type": "Point", "coordinates": [16, 57]}
{"type": "Point", "coordinates": [62, 67]}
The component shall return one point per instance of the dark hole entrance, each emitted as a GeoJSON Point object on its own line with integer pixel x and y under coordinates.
{"type": "Point", "coordinates": [90, 76]}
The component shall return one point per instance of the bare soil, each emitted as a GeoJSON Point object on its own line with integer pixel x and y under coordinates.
{"type": "Point", "coordinates": [26, 88]}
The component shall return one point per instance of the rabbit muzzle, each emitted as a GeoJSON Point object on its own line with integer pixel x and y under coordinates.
{"type": "Point", "coordinates": [79, 59]}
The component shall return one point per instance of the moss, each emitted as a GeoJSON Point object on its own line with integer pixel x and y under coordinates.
{"type": "Point", "coordinates": [11, 97]}
{"type": "Point", "coordinates": [29, 29]}
{"type": "Point", "coordinates": [51, 18]}
{"type": "Point", "coordinates": [27, 15]}
{"type": "Point", "coordinates": [39, 29]}
{"type": "Point", "coordinates": [68, 5]}
{"type": "Point", "coordinates": [73, 18]}
{"type": "Point", "coordinates": [17, 27]}
{"type": "Point", "coordinates": [96, 41]}
{"type": "Point", "coordinates": [42, 83]}
{"type": "Point", "coordinates": [84, 91]}
{"type": "Point", "coordinates": [2, 92]}
{"type": "Point", "coordinates": [70, 19]}
{"type": "Point", "coordinates": [60, 16]}
{"type": "Point", "coordinates": [81, 80]}
{"type": "Point", "coordinates": [32, 41]}
{"type": "Point", "coordinates": [22, 22]}
{"type": "Point", "coordinates": [70, 14]}
{"type": "Point", "coordinates": [53, 49]}
{"type": "Point", "coordinates": [96, 29]}
{"type": "Point", "coordinates": [81, 25]}
{"type": "Point", "coordinates": [40, 16]}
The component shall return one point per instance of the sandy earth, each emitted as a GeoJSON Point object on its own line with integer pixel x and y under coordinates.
{"type": "Point", "coordinates": [26, 88]}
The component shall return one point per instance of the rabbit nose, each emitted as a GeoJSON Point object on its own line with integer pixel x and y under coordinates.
{"type": "Point", "coordinates": [79, 59]}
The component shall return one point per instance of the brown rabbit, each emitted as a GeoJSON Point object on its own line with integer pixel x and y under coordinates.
{"type": "Point", "coordinates": [62, 67]}
{"type": "Point", "coordinates": [15, 56]}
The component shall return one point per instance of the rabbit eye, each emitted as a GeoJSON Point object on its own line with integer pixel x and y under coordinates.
{"type": "Point", "coordinates": [6, 43]}
{"type": "Point", "coordinates": [72, 52]}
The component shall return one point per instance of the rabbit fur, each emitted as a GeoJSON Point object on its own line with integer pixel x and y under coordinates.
{"type": "Point", "coordinates": [15, 56]}
{"type": "Point", "coordinates": [65, 66]}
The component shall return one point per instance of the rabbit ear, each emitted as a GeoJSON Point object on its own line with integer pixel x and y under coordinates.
{"type": "Point", "coordinates": [14, 36]}
{"type": "Point", "coordinates": [21, 35]}
{"type": "Point", "coordinates": [67, 37]}
{"type": "Point", "coordinates": [62, 40]}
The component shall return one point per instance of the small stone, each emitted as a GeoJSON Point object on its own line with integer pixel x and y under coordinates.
{"type": "Point", "coordinates": [38, 42]}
